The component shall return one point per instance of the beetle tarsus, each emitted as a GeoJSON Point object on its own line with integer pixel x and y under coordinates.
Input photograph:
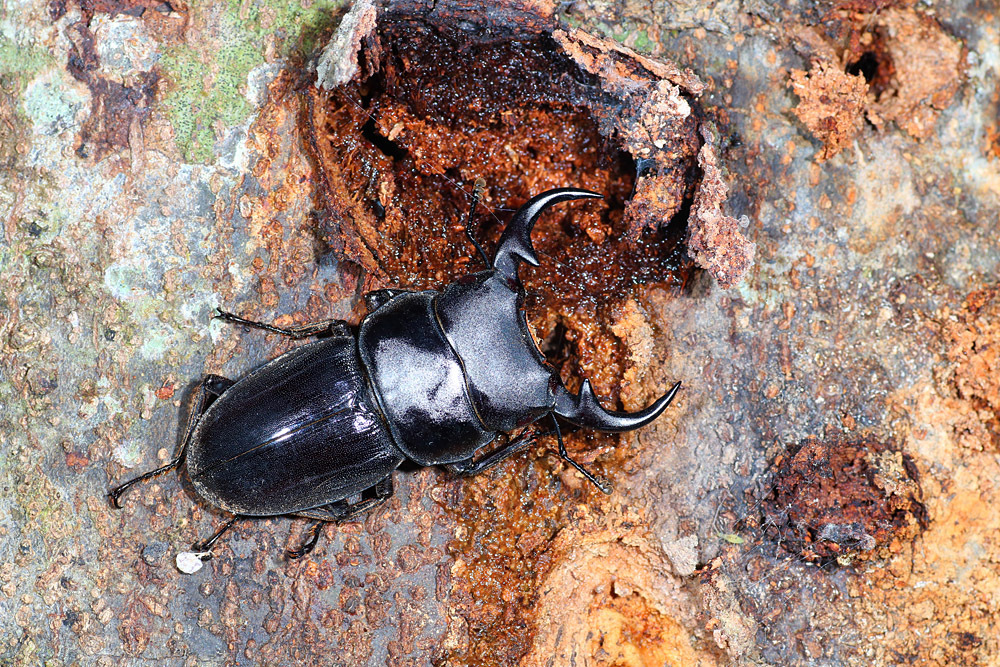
{"type": "Point", "coordinates": [309, 544]}
{"type": "Point", "coordinates": [564, 455]}
{"type": "Point", "coordinates": [477, 192]}
{"type": "Point", "coordinates": [190, 562]}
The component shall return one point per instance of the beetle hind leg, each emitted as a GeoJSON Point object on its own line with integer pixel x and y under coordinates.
{"type": "Point", "coordinates": [211, 387]}
{"type": "Point", "coordinates": [309, 543]}
{"type": "Point", "coordinates": [339, 511]}
{"type": "Point", "coordinates": [190, 562]}
{"type": "Point", "coordinates": [207, 545]}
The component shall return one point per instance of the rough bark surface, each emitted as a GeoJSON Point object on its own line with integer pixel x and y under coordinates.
{"type": "Point", "coordinates": [822, 492]}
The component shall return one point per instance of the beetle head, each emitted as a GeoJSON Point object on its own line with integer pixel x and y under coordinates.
{"type": "Point", "coordinates": [509, 379]}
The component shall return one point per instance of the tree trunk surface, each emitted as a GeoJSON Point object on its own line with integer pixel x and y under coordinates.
{"type": "Point", "coordinates": [800, 223]}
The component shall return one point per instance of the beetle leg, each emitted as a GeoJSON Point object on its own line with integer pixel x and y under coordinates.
{"type": "Point", "coordinates": [477, 192]}
{"type": "Point", "coordinates": [206, 545]}
{"type": "Point", "coordinates": [309, 544]}
{"type": "Point", "coordinates": [190, 562]}
{"type": "Point", "coordinates": [338, 511]}
{"type": "Point", "coordinates": [343, 510]}
{"type": "Point", "coordinates": [333, 327]}
{"type": "Point", "coordinates": [210, 389]}
{"type": "Point", "coordinates": [563, 454]}
{"type": "Point", "coordinates": [468, 467]}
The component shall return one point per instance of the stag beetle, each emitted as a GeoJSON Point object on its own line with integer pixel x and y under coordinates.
{"type": "Point", "coordinates": [430, 377]}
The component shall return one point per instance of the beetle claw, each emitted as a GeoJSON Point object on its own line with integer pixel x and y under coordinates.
{"type": "Point", "coordinates": [113, 497]}
{"type": "Point", "coordinates": [308, 545]}
{"type": "Point", "coordinates": [599, 482]}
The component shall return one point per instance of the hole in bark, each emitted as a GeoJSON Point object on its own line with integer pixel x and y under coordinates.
{"type": "Point", "coordinates": [400, 151]}
{"type": "Point", "coordinates": [866, 65]}
{"type": "Point", "coordinates": [875, 64]}
{"type": "Point", "coordinates": [835, 501]}
{"type": "Point", "coordinates": [397, 157]}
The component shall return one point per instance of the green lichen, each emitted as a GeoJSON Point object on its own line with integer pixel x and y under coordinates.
{"type": "Point", "coordinates": [194, 108]}
{"type": "Point", "coordinates": [50, 105]}
{"type": "Point", "coordinates": [27, 653]}
{"type": "Point", "coordinates": [643, 43]}
{"type": "Point", "coordinates": [570, 20]}
{"type": "Point", "coordinates": [5, 253]}
{"type": "Point", "coordinates": [206, 81]}
{"type": "Point", "coordinates": [156, 345]}
{"type": "Point", "coordinates": [121, 280]}
{"type": "Point", "coordinates": [21, 62]}
{"type": "Point", "coordinates": [296, 27]}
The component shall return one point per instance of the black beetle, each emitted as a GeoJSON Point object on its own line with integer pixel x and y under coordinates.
{"type": "Point", "coordinates": [430, 377]}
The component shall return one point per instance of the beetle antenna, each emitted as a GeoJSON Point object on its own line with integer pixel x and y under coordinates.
{"type": "Point", "coordinates": [563, 454]}
{"type": "Point", "coordinates": [477, 192]}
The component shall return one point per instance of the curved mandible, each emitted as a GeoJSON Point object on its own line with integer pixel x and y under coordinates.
{"type": "Point", "coordinates": [515, 242]}
{"type": "Point", "coordinates": [584, 410]}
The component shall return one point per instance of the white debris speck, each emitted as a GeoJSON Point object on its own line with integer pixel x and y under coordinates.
{"type": "Point", "coordinates": [190, 562]}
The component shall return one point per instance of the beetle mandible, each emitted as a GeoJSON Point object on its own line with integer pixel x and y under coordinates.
{"type": "Point", "coordinates": [431, 377]}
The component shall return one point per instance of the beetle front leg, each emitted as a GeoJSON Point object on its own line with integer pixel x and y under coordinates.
{"type": "Point", "coordinates": [333, 327]}
{"type": "Point", "coordinates": [470, 467]}
{"type": "Point", "coordinates": [563, 454]}
{"type": "Point", "coordinates": [211, 387]}
{"type": "Point", "coordinates": [477, 192]}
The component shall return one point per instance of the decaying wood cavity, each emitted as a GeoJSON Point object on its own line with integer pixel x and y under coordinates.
{"type": "Point", "coordinates": [881, 64]}
{"type": "Point", "coordinates": [430, 109]}
{"type": "Point", "coordinates": [844, 501]}
{"type": "Point", "coordinates": [433, 107]}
